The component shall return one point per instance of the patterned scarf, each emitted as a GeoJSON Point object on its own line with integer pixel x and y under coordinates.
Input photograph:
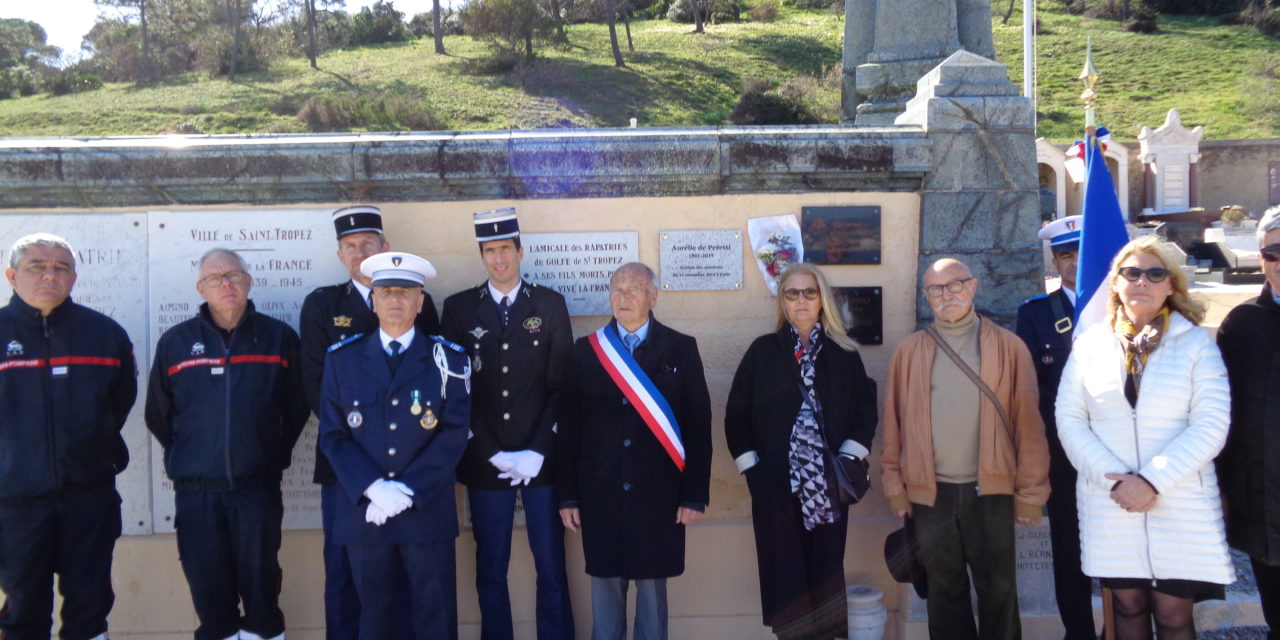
{"type": "Point", "coordinates": [808, 473]}
{"type": "Point", "coordinates": [1138, 345]}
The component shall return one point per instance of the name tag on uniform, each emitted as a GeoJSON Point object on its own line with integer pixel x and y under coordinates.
{"type": "Point", "coordinates": [60, 372]}
{"type": "Point", "coordinates": [216, 371]}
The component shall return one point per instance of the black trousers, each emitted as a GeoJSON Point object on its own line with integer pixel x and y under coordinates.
{"type": "Point", "coordinates": [72, 534]}
{"type": "Point", "coordinates": [432, 572]}
{"type": "Point", "coordinates": [801, 572]}
{"type": "Point", "coordinates": [1072, 588]}
{"type": "Point", "coordinates": [228, 543]}
{"type": "Point", "coordinates": [1268, 580]}
{"type": "Point", "coordinates": [963, 530]}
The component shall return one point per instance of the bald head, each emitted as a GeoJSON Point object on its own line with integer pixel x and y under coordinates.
{"type": "Point", "coordinates": [946, 270]}
{"type": "Point", "coordinates": [632, 293]}
{"type": "Point", "coordinates": [950, 288]}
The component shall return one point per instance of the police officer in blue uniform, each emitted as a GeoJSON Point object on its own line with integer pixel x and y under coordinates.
{"type": "Point", "coordinates": [1045, 324]}
{"type": "Point", "coordinates": [330, 315]}
{"type": "Point", "coordinates": [394, 412]}
{"type": "Point", "coordinates": [518, 336]}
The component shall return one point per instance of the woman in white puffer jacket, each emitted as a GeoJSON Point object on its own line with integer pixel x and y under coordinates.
{"type": "Point", "coordinates": [1142, 410]}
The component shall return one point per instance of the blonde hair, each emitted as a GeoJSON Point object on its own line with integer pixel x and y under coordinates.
{"type": "Point", "coordinates": [832, 322]}
{"type": "Point", "coordinates": [1179, 300]}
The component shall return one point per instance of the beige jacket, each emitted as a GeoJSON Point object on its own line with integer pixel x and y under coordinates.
{"type": "Point", "coordinates": [1020, 467]}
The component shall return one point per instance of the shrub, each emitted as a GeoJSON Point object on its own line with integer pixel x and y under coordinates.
{"type": "Point", "coordinates": [1265, 19]}
{"type": "Point", "coordinates": [1143, 19]}
{"type": "Point", "coordinates": [759, 105]}
{"type": "Point", "coordinates": [73, 81]}
{"type": "Point", "coordinates": [369, 111]}
{"type": "Point", "coordinates": [379, 23]}
{"type": "Point", "coordinates": [764, 11]}
{"type": "Point", "coordinates": [509, 26]}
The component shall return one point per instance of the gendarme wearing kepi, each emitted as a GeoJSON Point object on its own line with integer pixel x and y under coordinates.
{"type": "Point", "coordinates": [358, 219]}
{"type": "Point", "coordinates": [498, 224]}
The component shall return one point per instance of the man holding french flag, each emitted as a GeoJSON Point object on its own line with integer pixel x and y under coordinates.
{"type": "Point", "coordinates": [634, 454]}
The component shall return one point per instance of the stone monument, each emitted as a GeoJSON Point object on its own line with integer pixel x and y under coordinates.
{"type": "Point", "coordinates": [889, 44]}
{"type": "Point", "coordinates": [1169, 156]}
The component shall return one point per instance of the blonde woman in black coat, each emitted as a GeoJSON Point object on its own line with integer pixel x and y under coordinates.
{"type": "Point", "coordinates": [798, 391]}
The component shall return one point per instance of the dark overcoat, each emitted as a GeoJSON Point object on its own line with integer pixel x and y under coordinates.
{"type": "Point", "coordinates": [1248, 467]}
{"type": "Point", "coordinates": [330, 315]}
{"type": "Point", "coordinates": [388, 441]}
{"type": "Point", "coordinates": [614, 470]}
{"type": "Point", "coordinates": [516, 376]}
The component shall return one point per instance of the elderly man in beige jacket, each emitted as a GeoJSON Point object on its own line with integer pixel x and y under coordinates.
{"type": "Point", "coordinates": [965, 455]}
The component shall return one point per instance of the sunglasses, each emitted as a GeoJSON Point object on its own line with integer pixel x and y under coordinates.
{"type": "Point", "coordinates": [1270, 253]}
{"type": "Point", "coordinates": [794, 294]}
{"type": "Point", "coordinates": [1154, 276]}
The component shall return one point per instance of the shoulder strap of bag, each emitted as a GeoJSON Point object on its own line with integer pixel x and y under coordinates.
{"type": "Point", "coordinates": [982, 386]}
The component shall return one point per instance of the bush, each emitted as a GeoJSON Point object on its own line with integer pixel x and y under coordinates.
{"type": "Point", "coordinates": [1265, 19]}
{"type": "Point", "coordinates": [1143, 19]}
{"type": "Point", "coordinates": [814, 4]}
{"type": "Point", "coordinates": [378, 24]}
{"type": "Point", "coordinates": [16, 82]}
{"type": "Point", "coordinates": [423, 24]}
{"type": "Point", "coordinates": [764, 11]}
{"type": "Point", "coordinates": [760, 106]}
{"type": "Point", "coordinates": [511, 27]}
{"type": "Point", "coordinates": [714, 10]}
{"type": "Point", "coordinates": [352, 110]}
{"type": "Point", "coordinates": [73, 81]}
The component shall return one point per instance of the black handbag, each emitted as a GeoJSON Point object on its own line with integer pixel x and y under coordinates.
{"type": "Point", "coordinates": [852, 475]}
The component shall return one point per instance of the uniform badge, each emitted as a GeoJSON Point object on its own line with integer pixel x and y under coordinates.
{"type": "Point", "coordinates": [429, 420]}
{"type": "Point", "coordinates": [14, 348]}
{"type": "Point", "coordinates": [417, 402]}
{"type": "Point", "coordinates": [533, 323]}
{"type": "Point", "coordinates": [197, 349]}
{"type": "Point", "coordinates": [1047, 359]}
{"type": "Point", "coordinates": [478, 332]}
{"type": "Point", "coordinates": [355, 419]}
{"type": "Point", "coordinates": [342, 321]}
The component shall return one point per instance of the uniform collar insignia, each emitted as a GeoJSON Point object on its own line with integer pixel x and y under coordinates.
{"type": "Point", "coordinates": [478, 332]}
{"type": "Point", "coordinates": [342, 321]}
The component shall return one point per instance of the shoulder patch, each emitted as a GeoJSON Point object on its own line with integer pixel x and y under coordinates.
{"type": "Point", "coordinates": [338, 345]}
{"type": "Point", "coordinates": [1043, 296]}
{"type": "Point", "coordinates": [456, 347]}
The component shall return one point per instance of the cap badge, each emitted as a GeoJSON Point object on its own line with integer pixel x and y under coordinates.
{"type": "Point", "coordinates": [396, 260]}
{"type": "Point", "coordinates": [351, 221]}
{"type": "Point", "coordinates": [495, 227]}
{"type": "Point", "coordinates": [342, 321]}
{"type": "Point", "coordinates": [197, 349]}
{"type": "Point", "coordinates": [14, 348]}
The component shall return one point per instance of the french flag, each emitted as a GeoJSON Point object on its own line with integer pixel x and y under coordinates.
{"type": "Point", "coordinates": [1102, 236]}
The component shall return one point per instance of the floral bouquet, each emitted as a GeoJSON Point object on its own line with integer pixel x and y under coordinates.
{"type": "Point", "coordinates": [776, 243]}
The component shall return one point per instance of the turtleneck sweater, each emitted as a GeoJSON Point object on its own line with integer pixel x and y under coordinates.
{"type": "Point", "coordinates": [954, 401]}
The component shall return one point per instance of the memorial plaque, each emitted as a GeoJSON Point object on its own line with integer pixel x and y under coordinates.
{"type": "Point", "coordinates": [700, 260]}
{"type": "Point", "coordinates": [290, 253]}
{"type": "Point", "coordinates": [841, 235]}
{"type": "Point", "coordinates": [578, 265]}
{"type": "Point", "coordinates": [111, 263]}
{"type": "Point", "coordinates": [866, 312]}
{"type": "Point", "coordinates": [1273, 182]}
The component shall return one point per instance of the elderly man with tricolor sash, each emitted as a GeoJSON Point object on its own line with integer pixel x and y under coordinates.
{"type": "Point", "coordinates": [634, 452]}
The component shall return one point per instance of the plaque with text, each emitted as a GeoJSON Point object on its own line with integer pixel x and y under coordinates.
{"type": "Point", "coordinates": [290, 253]}
{"type": "Point", "coordinates": [578, 265]}
{"type": "Point", "coordinates": [111, 277]}
{"type": "Point", "coordinates": [841, 235]}
{"type": "Point", "coordinates": [866, 310]}
{"type": "Point", "coordinates": [1273, 182]}
{"type": "Point", "coordinates": [700, 260]}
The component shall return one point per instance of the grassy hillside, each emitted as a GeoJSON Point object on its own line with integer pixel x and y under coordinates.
{"type": "Point", "coordinates": [674, 78]}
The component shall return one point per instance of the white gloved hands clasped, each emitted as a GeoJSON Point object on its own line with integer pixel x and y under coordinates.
{"type": "Point", "coordinates": [387, 498]}
{"type": "Point", "coordinates": [525, 466]}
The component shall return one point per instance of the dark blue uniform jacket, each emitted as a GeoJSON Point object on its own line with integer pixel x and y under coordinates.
{"type": "Point", "coordinates": [1038, 326]}
{"type": "Point", "coordinates": [67, 382]}
{"type": "Point", "coordinates": [226, 410]}
{"type": "Point", "coordinates": [388, 441]}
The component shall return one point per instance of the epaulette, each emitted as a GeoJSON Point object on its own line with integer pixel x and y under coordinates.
{"type": "Point", "coordinates": [451, 345]}
{"type": "Point", "coordinates": [1043, 296]}
{"type": "Point", "coordinates": [338, 345]}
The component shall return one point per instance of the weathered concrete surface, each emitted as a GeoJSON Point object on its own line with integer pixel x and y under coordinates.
{"type": "Point", "coordinates": [182, 170]}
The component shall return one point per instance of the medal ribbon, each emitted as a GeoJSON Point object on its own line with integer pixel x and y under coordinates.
{"type": "Point", "coordinates": [640, 390]}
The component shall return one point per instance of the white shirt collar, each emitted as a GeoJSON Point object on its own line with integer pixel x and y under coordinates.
{"type": "Point", "coordinates": [1071, 295]}
{"type": "Point", "coordinates": [404, 340]}
{"type": "Point", "coordinates": [498, 295]}
{"type": "Point", "coordinates": [364, 291]}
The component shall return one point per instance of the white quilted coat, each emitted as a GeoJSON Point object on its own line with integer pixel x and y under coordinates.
{"type": "Point", "coordinates": [1179, 425]}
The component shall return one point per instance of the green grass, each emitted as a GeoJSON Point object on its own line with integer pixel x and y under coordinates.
{"type": "Point", "coordinates": [674, 78]}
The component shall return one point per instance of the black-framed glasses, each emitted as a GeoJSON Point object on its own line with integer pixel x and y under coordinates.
{"type": "Point", "coordinates": [1154, 276]}
{"type": "Point", "coordinates": [955, 286]}
{"type": "Point", "coordinates": [234, 277]}
{"type": "Point", "coordinates": [1270, 253]}
{"type": "Point", "coordinates": [809, 293]}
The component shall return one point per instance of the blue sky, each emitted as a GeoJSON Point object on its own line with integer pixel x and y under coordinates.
{"type": "Point", "coordinates": [66, 21]}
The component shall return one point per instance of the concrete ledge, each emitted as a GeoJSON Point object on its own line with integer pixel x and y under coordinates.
{"type": "Point", "coordinates": [279, 169]}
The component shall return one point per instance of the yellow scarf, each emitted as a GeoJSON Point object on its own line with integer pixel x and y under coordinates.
{"type": "Point", "coordinates": [1138, 345]}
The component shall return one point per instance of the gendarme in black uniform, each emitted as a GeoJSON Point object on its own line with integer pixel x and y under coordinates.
{"type": "Point", "coordinates": [67, 382]}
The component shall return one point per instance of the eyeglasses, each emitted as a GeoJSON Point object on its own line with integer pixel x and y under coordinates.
{"type": "Point", "coordinates": [1270, 253]}
{"type": "Point", "coordinates": [234, 277]}
{"type": "Point", "coordinates": [1154, 276]}
{"type": "Point", "coordinates": [794, 294]}
{"type": "Point", "coordinates": [955, 286]}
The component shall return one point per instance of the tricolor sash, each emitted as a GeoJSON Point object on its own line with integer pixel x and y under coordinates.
{"type": "Point", "coordinates": [639, 389]}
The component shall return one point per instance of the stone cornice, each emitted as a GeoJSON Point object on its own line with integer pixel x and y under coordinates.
{"type": "Point", "coordinates": [573, 163]}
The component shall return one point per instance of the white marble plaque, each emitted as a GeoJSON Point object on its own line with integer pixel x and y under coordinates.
{"type": "Point", "coordinates": [700, 260]}
{"type": "Point", "coordinates": [290, 253]}
{"type": "Point", "coordinates": [111, 262]}
{"type": "Point", "coordinates": [578, 265]}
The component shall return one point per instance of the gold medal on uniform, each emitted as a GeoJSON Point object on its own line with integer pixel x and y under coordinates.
{"type": "Point", "coordinates": [429, 420]}
{"type": "Point", "coordinates": [417, 402]}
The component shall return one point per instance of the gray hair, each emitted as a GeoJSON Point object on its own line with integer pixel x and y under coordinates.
{"type": "Point", "coordinates": [639, 268]}
{"type": "Point", "coordinates": [39, 240]}
{"type": "Point", "coordinates": [1270, 221]}
{"type": "Point", "coordinates": [220, 251]}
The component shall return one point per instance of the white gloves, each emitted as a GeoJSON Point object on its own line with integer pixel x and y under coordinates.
{"type": "Point", "coordinates": [387, 498]}
{"type": "Point", "coordinates": [520, 467]}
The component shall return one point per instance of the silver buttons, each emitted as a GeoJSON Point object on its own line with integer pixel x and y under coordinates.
{"type": "Point", "coordinates": [395, 402]}
{"type": "Point", "coordinates": [391, 451]}
{"type": "Point", "coordinates": [505, 393]}
{"type": "Point", "coordinates": [506, 416]}
{"type": "Point", "coordinates": [392, 426]}
{"type": "Point", "coordinates": [505, 346]}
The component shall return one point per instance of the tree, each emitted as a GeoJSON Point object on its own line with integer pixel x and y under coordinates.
{"type": "Point", "coordinates": [611, 9]}
{"type": "Point", "coordinates": [145, 66]}
{"type": "Point", "coordinates": [24, 55]}
{"type": "Point", "coordinates": [508, 25]}
{"type": "Point", "coordinates": [310, 13]}
{"type": "Point", "coordinates": [437, 30]}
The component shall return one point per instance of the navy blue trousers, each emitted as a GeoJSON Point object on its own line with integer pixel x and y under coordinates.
{"type": "Point", "coordinates": [228, 543]}
{"type": "Point", "coordinates": [492, 520]}
{"type": "Point", "coordinates": [432, 572]}
{"type": "Point", "coordinates": [341, 600]}
{"type": "Point", "coordinates": [71, 534]}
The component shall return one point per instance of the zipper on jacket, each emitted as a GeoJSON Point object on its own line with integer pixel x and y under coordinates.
{"type": "Point", "coordinates": [47, 387]}
{"type": "Point", "coordinates": [226, 409]}
{"type": "Point", "coordinates": [1137, 450]}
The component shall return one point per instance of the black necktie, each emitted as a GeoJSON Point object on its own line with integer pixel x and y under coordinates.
{"type": "Point", "coordinates": [393, 360]}
{"type": "Point", "coordinates": [395, 348]}
{"type": "Point", "coordinates": [369, 299]}
{"type": "Point", "coordinates": [505, 308]}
